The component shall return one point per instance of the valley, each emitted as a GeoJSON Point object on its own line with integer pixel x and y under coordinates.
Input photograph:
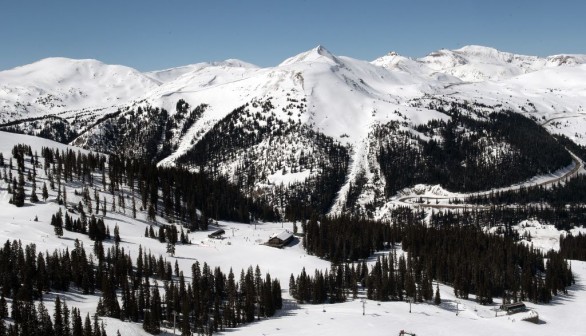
{"type": "Point", "coordinates": [359, 161]}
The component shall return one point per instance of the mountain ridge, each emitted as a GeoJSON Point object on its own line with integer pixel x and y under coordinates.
{"type": "Point", "coordinates": [287, 120]}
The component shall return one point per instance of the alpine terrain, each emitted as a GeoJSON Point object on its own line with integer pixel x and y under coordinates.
{"type": "Point", "coordinates": [425, 196]}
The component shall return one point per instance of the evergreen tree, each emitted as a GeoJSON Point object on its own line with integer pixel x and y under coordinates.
{"type": "Point", "coordinates": [34, 198]}
{"type": "Point", "coordinates": [58, 324]}
{"type": "Point", "coordinates": [57, 222]}
{"type": "Point", "coordinates": [171, 249]}
{"type": "Point", "coordinates": [45, 192]}
{"type": "Point", "coordinates": [437, 299]}
{"type": "Point", "coordinates": [116, 235]}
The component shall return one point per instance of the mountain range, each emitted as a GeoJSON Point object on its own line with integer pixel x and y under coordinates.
{"type": "Point", "coordinates": [318, 129]}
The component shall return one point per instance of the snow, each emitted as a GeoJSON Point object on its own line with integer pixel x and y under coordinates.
{"type": "Point", "coordinates": [318, 53]}
{"type": "Point", "coordinates": [288, 178]}
{"type": "Point", "coordinates": [343, 97]}
{"type": "Point", "coordinates": [544, 236]}
{"type": "Point", "coordinates": [172, 74]}
{"type": "Point", "coordinates": [243, 246]}
{"type": "Point", "coordinates": [389, 318]}
{"type": "Point", "coordinates": [56, 85]}
{"type": "Point", "coordinates": [478, 63]}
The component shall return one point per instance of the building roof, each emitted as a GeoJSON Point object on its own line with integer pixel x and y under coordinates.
{"type": "Point", "coordinates": [217, 232]}
{"type": "Point", "coordinates": [513, 306]}
{"type": "Point", "coordinates": [283, 236]}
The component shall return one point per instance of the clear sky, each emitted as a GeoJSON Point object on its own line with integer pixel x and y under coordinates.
{"type": "Point", "coordinates": [150, 35]}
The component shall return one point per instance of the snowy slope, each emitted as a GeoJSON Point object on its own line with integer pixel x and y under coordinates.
{"type": "Point", "coordinates": [478, 63]}
{"type": "Point", "coordinates": [242, 247]}
{"type": "Point", "coordinates": [389, 318]}
{"type": "Point", "coordinates": [554, 96]}
{"type": "Point", "coordinates": [342, 98]}
{"type": "Point", "coordinates": [172, 74]}
{"type": "Point", "coordinates": [55, 85]}
{"type": "Point", "coordinates": [395, 62]}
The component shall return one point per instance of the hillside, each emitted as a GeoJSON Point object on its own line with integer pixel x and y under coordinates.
{"type": "Point", "coordinates": [317, 121]}
{"type": "Point", "coordinates": [241, 247]}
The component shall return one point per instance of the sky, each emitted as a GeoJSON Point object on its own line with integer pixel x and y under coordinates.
{"type": "Point", "coordinates": [152, 35]}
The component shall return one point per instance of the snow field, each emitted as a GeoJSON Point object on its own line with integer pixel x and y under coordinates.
{"type": "Point", "coordinates": [242, 247]}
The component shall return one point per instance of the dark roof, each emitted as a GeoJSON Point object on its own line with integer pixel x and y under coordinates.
{"type": "Point", "coordinates": [513, 306]}
{"type": "Point", "coordinates": [217, 233]}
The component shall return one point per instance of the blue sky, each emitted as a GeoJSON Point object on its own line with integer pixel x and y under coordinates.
{"type": "Point", "coordinates": [151, 35]}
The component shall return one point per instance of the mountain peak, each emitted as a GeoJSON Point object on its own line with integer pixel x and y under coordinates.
{"type": "Point", "coordinates": [317, 54]}
{"type": "Point", "coordinates": [322, 50]}
{"type": "Point", "coordinates": [477, 49]}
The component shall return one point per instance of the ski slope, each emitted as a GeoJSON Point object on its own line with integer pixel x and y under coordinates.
{"type": "Point", "coordinates": [243, 246]}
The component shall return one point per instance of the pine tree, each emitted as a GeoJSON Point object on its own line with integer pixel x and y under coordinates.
{"type": "Point", "coordinates": [58, 318]}
{"type": "Point", "coordinates": [437, 299]}
{"type": "Point", "coordinates": [77, 329]}
{"type": "Point", "coordinates": [97, 198]}
{"type": "Point", "coordinates": [58, 224]}
{"type": "Point", "coordinates": [133, 207]}
{"type": "Point", "coordinates": [96, 326]}
{"type": "Point", "coordinates": [45, 326]}
{"type": "Point", "coordinates": [66, 319]}
{"type": "Point", "coordinates": [152, 214]}
{"type": "Point", "coordinates": [185, 325]}
{"type": "Point", "coordinates": [3, 307]}
{"type": "Point", "coordinates": [64, 195]}
{"type": "Point", "coordinates": [19, 196]}
{"type": "Point", "coordinates": [116, 235]}
{"type": "Point", "coordinates": [171, 249]}
{"type": "Point", "coordinates": [34, 198]}
{"type": "Point", "coordinates": [45, 192]}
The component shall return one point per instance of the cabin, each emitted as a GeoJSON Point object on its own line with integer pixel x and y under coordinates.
{"type": "Point", "coordinates": [513, 308]}
{"type": "Point", "coordinates": [280, 240]}
{"type": "Point", "coordinates": [218, 234]}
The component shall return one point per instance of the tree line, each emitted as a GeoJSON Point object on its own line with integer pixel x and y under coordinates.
{"type": "Point", "coordinates": [211, 301]}
{"type": "Point", "coordinates": [573, 246]}
{"type": "Point", "coordinates": [30, 319]}
{"type": "Point", "coordinates": [569, 191]}
{"type": "Point", "coordinates": [453, 252]}
{"type": "Point", "coordinates": [173, 193]}
{"type": "Point", "coordinates": [468, 153]}
{"type": "Point", "coordinates": [503, 217]}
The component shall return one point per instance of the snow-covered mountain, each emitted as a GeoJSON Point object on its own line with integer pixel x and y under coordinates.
{"type": "Point", "coordinates": [477, 63]}
{"type": "Point", "coordinates": [172, 74]}
{"type": "Point", "coordinates": [57, 85]}
{"type": "Point", "coordinates": [315, 118]}
{"type": "Point", "coordinates": [317, 133]}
